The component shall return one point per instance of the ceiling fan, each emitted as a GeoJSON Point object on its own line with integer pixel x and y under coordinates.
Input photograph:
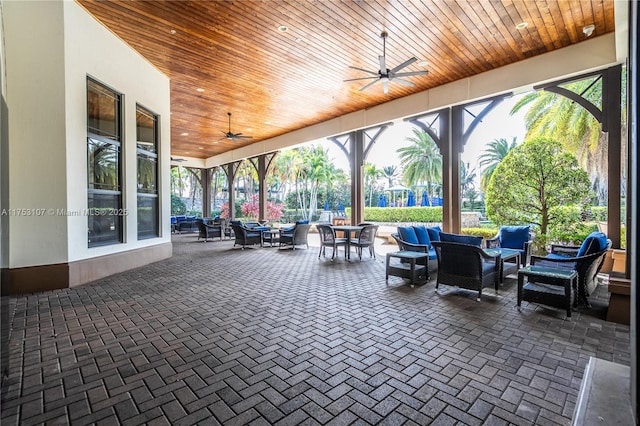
{"type": "Point", "coordinates": [233, 136]}
{"type": "Point", "coordinates": [384, 74]}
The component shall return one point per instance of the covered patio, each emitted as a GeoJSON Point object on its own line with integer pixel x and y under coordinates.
{"type": "Point", "coordinates": [285, 338]}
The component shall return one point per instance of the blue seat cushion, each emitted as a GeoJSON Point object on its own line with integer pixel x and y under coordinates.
{"type": "Point", "coordinates": [408, 234]}
{"type": "Point", "coordinates": [434, 233]}
{"type": "Point", "coordinates": [302, 222]}
{"type": "Point", "coordinates": [432, 254]}
{"type": "Point", "coordinates": [514, 237]}
{"type": "Point", "coordinates": [288, 229]}
{"type": "Point", "coordinates": [463, 239]}
{"type": "Point", "coordinates": [487, 267]}
{"type": "Point", "coordinates": [595, 242]}
{"type": "Point", "coordinates": [422, 234]}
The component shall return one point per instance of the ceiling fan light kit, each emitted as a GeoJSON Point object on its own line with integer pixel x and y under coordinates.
{"type": "Point", "coordinates": [386, 75]}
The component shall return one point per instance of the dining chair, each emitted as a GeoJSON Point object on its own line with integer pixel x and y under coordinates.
{"type": "Point", "coordinates": [328, 239]}
{"type": "Point", "coordinates": [366, 239]}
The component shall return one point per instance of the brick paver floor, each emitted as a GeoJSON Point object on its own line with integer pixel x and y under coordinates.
{"type": "Point", "coordinates": [267, 336]}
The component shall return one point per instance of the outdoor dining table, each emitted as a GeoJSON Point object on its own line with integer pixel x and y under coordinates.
{"type": "Point", "coordinates": [348, 230]}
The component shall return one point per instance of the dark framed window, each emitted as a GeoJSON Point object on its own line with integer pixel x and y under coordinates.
{"type": "Point", "coordinates": [104, 165]}
{"type": "Point", "coordinates": [147, 162]}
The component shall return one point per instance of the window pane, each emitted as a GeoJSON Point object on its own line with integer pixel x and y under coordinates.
{"type": "Point", "coordinates": [104, 167]}
{"type": "Point", "coordinates": [147, 217]}
{"type": "Point", "coordinates": [147, 174]}
{"type": "Point", "coordinates": [103, 111]}
{"type": "Point", "coordinates": [146, 130]}
{"type": "Point", "coordinates": [105, 219]}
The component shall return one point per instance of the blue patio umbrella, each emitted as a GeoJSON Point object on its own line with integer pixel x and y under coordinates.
{"type": "Point", "coordinates": [340, 207]}
{"type": "Point", "coordinates": [425, 199]}
{"type": "Point", "coordinates": [382, 200]}
{"type": "Point", "coordinates": [326, 205]}
{"type": "Point", "coordinates": [411, 199]}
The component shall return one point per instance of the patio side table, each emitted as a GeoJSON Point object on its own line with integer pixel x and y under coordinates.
{"type": "Point", "coordinates": [409, 268]}
{"type": "Point", "coordinates": [547, 286]}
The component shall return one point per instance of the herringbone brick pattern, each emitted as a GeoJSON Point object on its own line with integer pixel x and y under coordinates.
{"type": "Point", "coordinates": [266, 336]}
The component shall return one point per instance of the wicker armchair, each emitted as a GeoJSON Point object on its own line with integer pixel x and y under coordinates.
{"type": "Point", "coordinates": [466, 266]}
{"type": "Point", "coordinates": [208, 231]}
{"type": "Point", "coordinates": [513, 237]}
{"type": "Point", "coordinates": [407, 246]}
{"type": "Point", "coordinates": [586, 260]}
{"type": "Point", "coordinates": [245, 236]}
{"type": "Point", "coordinates": [328, 239]}
{"type": "Point", "coordinates": [366, 239]}
{"type": "Point", "coordinates": [295, 236]}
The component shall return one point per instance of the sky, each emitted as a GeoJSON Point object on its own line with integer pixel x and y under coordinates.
{"type": "Point", "coordinates": [497, 124]}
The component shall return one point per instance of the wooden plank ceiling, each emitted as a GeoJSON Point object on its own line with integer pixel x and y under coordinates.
{"type": "Point", "coordinates": [230, 56]}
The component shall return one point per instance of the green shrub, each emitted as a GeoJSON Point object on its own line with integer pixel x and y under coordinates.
{"type": "Point", "coordinates": [480, 232]}
{"type": "Point", "coordinates": [178, 207]}
{"type": "Point", "coordinates": [401, 214]}
{"type": "Point", "coordinates": [599, 213]}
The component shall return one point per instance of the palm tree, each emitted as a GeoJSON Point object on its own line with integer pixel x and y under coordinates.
{"type": "Point", "coordinates": [422, 161]}
{"type": "Point", "coordinates": [496, 151]}
{"type": "Point", "coordinates": [371, 176]}
{"type": "Point", "coordinates": [390, 172]}
{"type": "Point", "coordinates": [467, 178]}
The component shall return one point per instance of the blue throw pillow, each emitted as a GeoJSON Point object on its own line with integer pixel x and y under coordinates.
{"type": "Point", "coordinates": [434, 233]}
{"type": "Point", "coordinates": [423, 235]}
{"type": "Point", "coordinates": [408, 234]}
{"type": "Point", "coordinates": [514, 237]}
{"type": "Point", "coordinates": [595, 242]}
{"type": "Point", "coordinates": [463, 239]}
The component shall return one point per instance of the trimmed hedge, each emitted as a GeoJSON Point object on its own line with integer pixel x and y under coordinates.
{"type": "Point", "coordinates": [480, 232]}
{"type": "Point", "coordinates": [401, 214]}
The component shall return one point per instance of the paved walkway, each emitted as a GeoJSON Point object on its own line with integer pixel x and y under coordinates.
{"type": "Point", "coordinates": [266, 336]}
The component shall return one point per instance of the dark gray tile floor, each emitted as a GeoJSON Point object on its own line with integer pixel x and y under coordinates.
{"type": "Point", "coordinates": [266, 336]}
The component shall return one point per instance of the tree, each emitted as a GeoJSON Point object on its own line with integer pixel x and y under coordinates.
{"type": "Point", "coordinates": [371, 176]}
{"type": "Point", "coordinates": [496, 150]}
{"type": "Point", "coordinates": [532, 182]}
{"type": "Point", "coordinates": [390, 172]}
{"type": "Point", "coordinates": [422, 161]}
{"type": "Point", "coordinates": [558, 117]}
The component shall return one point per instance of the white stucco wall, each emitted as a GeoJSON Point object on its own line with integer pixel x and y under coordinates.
{"type": "Point", "coordinates": [34, 41]}
{"type": "Point", "coordinates": [51, 47]}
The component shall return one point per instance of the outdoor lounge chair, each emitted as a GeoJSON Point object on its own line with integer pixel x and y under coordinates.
{"type": "Point", "coordinates": [245, 236]}
{"type": "Point", "coordinates": [586, 260]}
{"type": "Point", "coordinates": [407, 240]}
{"type": "Point", "coordinates": [295, 235]}
{"type": "Point", "coordinates": [208, 231]}
{"type": "Point", "coordinates": [328, 239]}
{"type": "Point", "coordinates": [513, 237]}
{"type": "Point", "coordinates": [466, 266]}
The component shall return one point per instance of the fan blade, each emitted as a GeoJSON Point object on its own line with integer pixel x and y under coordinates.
{"type": "Point", "coordinates": [404, 82]}
{"type": "Point", "coordinates": [410, 73]}
{"type": "Point", "coordinates": [368, 85]}
{"type": "Point", "coordinates": [386, 86]}
{"type": "Point", "coordinates": [363, 70]}
{"type": "Point", "coordinates": [404, 64]}
{"type": "Point", "coordinates": [361, 78]}
{"type": "Point", "coordinates": [383, 65]}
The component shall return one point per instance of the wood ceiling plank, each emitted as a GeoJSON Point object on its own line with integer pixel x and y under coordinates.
{"type": "Point", "coordinates": [275, 83]}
